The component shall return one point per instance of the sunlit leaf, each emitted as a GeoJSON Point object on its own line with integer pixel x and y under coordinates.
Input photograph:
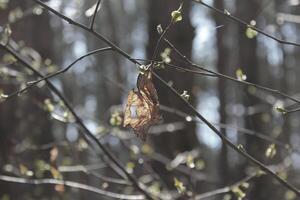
{"type": "Point", "coordinates": [251, 33]}
{"type": "Point", "coordinates": [23, 169]}
{"type": "Point", "coordinates": [226, 12]}
{"type": "Point", "coordinates": [281, 110]}
{"type": "Point", "coordinates": [155, 188]}
{"type": "Point", "coordinates": [147, 149]}
{"type": "Point", "coordinates": [238, 193]}
{"type": "Point", "coordinates": [159, 29]}
{"type": "Point", "coordinates": [5, 35]}
{"type": "Point", "coordinates": [190, 161]}
{"type": "Point", "coordinates": [179, 186]}
{"type": "Point", "coordinates": [165, 55]}
{"type": "Point", "coordinates": [200, 164]}
{"type": "Point", "coordinates": [185, 95]}
{"type": "Point", "coordinates": [104, 185]}
{"type": "Point", "coordinates": [116, 119]}
{"type": "Point", "coordinates": [176, 15]}
{"type": "Point", "coordinates": [15, 15]}
{"type": "Point", "coordinates": [271, 151]}
{"type": "Point", "coordinates": [3, 96]}
{"type": "Point", "coordinates": [240, 75]}
{"type": "Point", "coordinates": [37, 10]}
{"type": "Point", "coordinates": [142, 109]}
{"type": "Point", "coordinates": [130, 167]}
{"type": "Point", "coordinates": [48, 105]}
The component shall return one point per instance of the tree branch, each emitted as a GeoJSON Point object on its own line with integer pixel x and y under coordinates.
{"type": "Point", "coordinates": [238, 20]}
{"type": "Point", "coordinates": [71, 184]}
{"type": "Point", "coordinates": [94, 15]}
{"type": "Point", "coordinates": [193, 110]}
{"type": "Point", "coordinates": [88, 135]}
{"type": "Point", "coordinates": [49, 76]}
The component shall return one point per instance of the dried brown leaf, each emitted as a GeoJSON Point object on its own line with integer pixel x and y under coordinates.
{"type": "Point", "coordinates": [142, 109]}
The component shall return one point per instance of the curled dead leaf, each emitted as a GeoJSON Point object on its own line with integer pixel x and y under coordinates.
{"type": "Point", "coordinates": [142, 109]}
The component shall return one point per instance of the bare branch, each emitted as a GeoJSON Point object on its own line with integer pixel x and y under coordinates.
{"type": "Point", "coordinates": [238, 20]}
{"type": "Point", "coordinates": [193, 111]}
{"type": "Point", "coordinates": [95, 14]}
{"type": "Point", "coordinates": [225, 140]}
{"type": "Point", "coordinates": [49, 76]}
{"type": "Point", "coordinates": [71, 184]}
{"type": "Point", "coordinates": [88, 135]}
{"type": "Point", "coordinates": [224, 189]}
{"type": "Point", "coordinates": [274, 91]}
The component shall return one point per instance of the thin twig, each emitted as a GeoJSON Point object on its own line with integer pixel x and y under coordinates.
{"type": "Point", "coordinates": [274, 91]}
{"type": "Point", "coordinates": [179, 113]}
{"type": "Point", "coordinates": [193, 110]}
{"type": "Point", "coordinates": [49, 76]}
{"type": "Point", "coordinates": [259, 135]}
{"type": "Point", "coordinates": [225, 140]}
{"type": "Point", "coordinates": [94, 15]}
{"type": "Point", "coordinates": [93, 32]}
{"type": "Point", "coordinates": [88, 135]}
{"type": "Point", "coordinates": [277, 168]}
{"type": "Point", "coordinates": [238, 20]}
{"type": "Point", "coordinates": [224, 189]}
{"type": "Point", "coordinates": [72, 184]}
{"type": "Point", "coordinates": [162, 35]}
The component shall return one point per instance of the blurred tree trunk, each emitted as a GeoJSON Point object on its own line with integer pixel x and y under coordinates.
{"type": "Point", "coordinates": [222, 65]}
{"type": "Point", "coordinates": [22, 119]}
{"type": "Point", "coordinates": [181, 35]}
{"type": "Point", "coordinates": [248, 62]}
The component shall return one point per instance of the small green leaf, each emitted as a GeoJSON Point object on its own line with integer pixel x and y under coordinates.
{"type": "Point", "coordinates": [165, 55]}
{"type": "Point", "coordinates": [226, 12]}
{"type": "Point", "coordinates": [241, 147]}
{"type": "Point", "coordinates": [200, 164]}
{"type": "Point", "coordinates": [159, 29]}
{"type": "Point", "coordinates": [130, 167]}
{"type": "Point", "coordinates": [176, 15]}
{"type": "Point", "coordinates": [281, 110]}
{"type": "Point", "coordinates": [271, 151]}
{"type": "Point", "coordinates": [5, 35]}
{"type": "Point", "coordinates": [147, 149]}
{"type": "Point", "coordinates": [48, 105]}
{"type": "Point", "coordinates": [190, 161]}
{"type": "Point", "coordinates": [251, 33]}
{"type": "Point", "coordinates": [179, 186]}
{"type": "Point", "coordinates": [238, 193]}
{"type": "Point", "coordinates": [155, 188]}
{"type": "Point", "coordinates": [3, 96]}
{"type": "Point", "coordinates": [116, 119]}
{"type": "Point", "coordinates": [185, 95]}
{"type": "Point", "coordinates": [37, 10]}
{"type": "Point", "coordinates": [15, 14]}
{"type": "Point", "coordinates": [240, 75]}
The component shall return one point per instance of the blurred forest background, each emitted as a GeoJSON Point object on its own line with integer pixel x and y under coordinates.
{"type": "Point", "coordinates": [182, 158]}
